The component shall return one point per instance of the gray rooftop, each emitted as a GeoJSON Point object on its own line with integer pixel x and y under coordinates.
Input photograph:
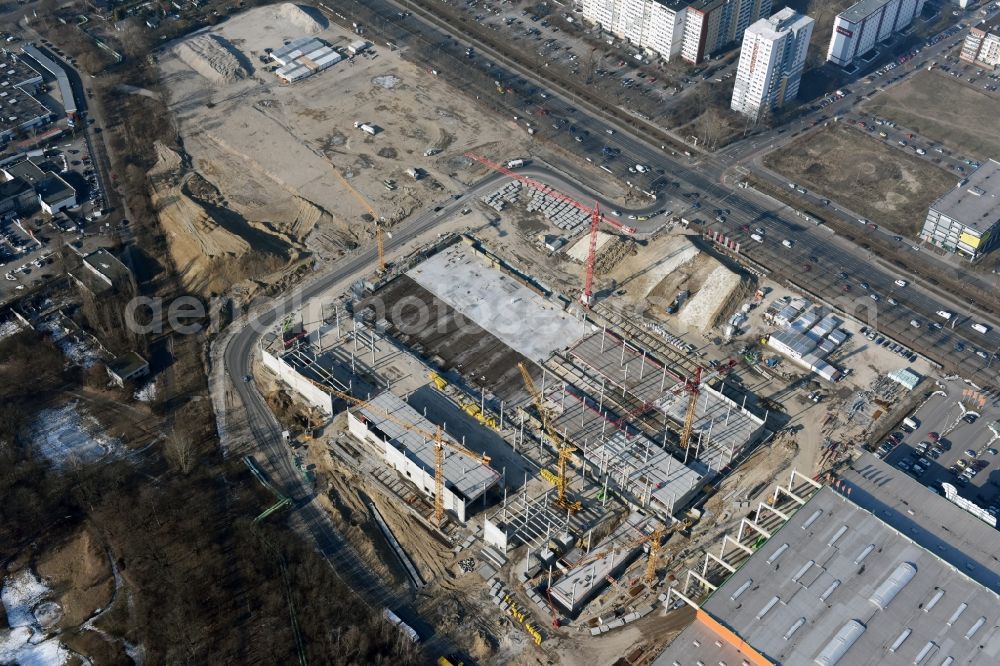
{"type": "Point", "coordinates": [462, 474]}
{"type": "Point", "coordinates": [976, 204]}
{"type": "Point", "coordinates": [56, 70]}
{"type": "Point", "coordinates": [859, 11]}
{"type": "Point", "coordinates": [778, 24]}
{"type": "Point", "coordinates": [104, 264]}
{"type": "Point", "coordinates": [54, 189]}
{"type": "Point", "coordinates": [953, 534]}
{"type": "Point", "coordinates": [838, 581]}
{"type": "Point", "coordinates": [27, 170]}
{"type": "Point", "coordinates": [128, 363]}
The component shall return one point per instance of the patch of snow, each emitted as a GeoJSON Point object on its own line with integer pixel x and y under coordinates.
{"type": "Point", "coordinates": [74, 346]}
{"type": "Point", "coordinates": [387, 81]}
{"type": "Point", "coordinates": [21, 592]}
{"type": "Point", "coordinates": [9, 328]}
{"type": "Point", "coordinates": [147, 393]}
{"type": "Point", "coordinates": [25, 643]}
{"type": "Point", "coordinates": [62, 434]}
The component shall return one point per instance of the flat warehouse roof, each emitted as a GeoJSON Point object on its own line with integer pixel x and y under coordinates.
{"type": "Point", "coordinates": [470, 478]}
{"type": "Point", "coordinates": [976, 204]}
{"type": "Point", "coordinates": [837, 583]}
{"type": "Point", "coordinates": [955, 535]}
{"type": "Point", "coordinates": [522, 319]}
{"type": "Point", "coordinates": [859, 11]}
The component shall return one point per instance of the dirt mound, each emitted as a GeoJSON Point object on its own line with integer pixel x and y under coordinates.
{"type": "Point", "coordinates": [79, 573]}
{"type": "Point", "coordinates": [702, 311]}
{"type": "Point", "coordinates": [292, 16]}
{"type": "Point", "coordinates": [213, 57]}
{"type": "Point", "coordinates": [212, 243]}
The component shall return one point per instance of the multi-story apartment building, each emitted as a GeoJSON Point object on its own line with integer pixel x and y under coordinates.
{"type": "Point", "coordinates": [710, 25]}
{"type": "Point", "coordinates": [656, 25]}
{"type": "Point", "coordinates": [771, 62]}
{"type": "Point", "coordinates": [966, 220]}
{"type": "Point", "coordinates": [864, 24]}
{"type": "Point", "coordinates": [981, 48]}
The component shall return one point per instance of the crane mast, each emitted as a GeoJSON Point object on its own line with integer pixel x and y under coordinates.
{"type": "Point", "coordinates": [436, 437]}
{"type": "Point", "coordinates": [563, 450]}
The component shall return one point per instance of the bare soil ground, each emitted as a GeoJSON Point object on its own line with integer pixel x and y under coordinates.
{"type": "Point", "coordinates": [968, 123]}
{"type": "Point", "coordinates": [885, 185]}
{"type": "Point", "coordinates": [79, 573]}
{"type": "Point", "coordinates": [257, 176]}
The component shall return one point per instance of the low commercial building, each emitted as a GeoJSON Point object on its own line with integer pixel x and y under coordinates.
{"type": "Point", "coordinates": [878, 570]}
{"type": "Point", "coordinates": [55, 194]}
{"type": "Point", "coordinates": [863, 25]}
{"type": "Point", "coordinates": [127, 368]}
{"type": "Point", "coordinates": [16, 197]}
{"type": "Point", "coordinates": [966, 220]}
{"type": "Point", "coordinates": [981, 48]}
{"type": "Point", "coordinates": [62, 80]}
{"type": "Point", "coordinates": [302, 58]}
{"type": "Point", "coordinates": [412, 456]}
{"type": "Point", "coordinates": [20, 110]}
{"type": "Point", "coordinates": [771, 63]}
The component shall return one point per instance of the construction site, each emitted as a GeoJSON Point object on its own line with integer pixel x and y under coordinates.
{"type": "Point", "coordinates": [553, 446]}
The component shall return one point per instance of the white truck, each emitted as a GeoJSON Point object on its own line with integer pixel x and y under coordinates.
{"type": "Point", "coordinates": [980, 328]}
{"type": "Point", "coordinates": [757, 237]}
{"type": "Point", "coordinates": [944, 314]}
{"type": "Point", "coordinates": [514, 164]}
{"type": "Point", "coordinates": [365, 127]}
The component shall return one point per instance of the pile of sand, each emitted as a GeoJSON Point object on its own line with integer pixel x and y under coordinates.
{"type": "Point", "coordinates": [291, 16]}
{"type": "Point", "coordinates": [703, 310]}
{"type": "Point", "coordinates": [79, 571]}
{"type": "Point", "coordinates": [213, 57]}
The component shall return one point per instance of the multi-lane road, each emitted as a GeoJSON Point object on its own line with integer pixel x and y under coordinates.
{"type": "Point", "coordinates": [746, 210]}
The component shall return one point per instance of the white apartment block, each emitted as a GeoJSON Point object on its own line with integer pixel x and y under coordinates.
{"type": "Point", "coordinates": [981, 48]}
{"type": "Point", "coordinates": [771, 62]}
{"type": "Point", "coordinates": [712, 24]}
{"type": "Point", "coordinates": [864, 24]}
{"type": "Point", "coordinates": [655, 25]}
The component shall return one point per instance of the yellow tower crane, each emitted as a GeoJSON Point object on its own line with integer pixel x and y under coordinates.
{"type": "Point", "coordinates": [655, 541]}
{"type": "Point", "coordinates": [380, 233]}
{"type": "Point", "coordinates": [437, 437]}
{"type": "Point", "coordinates": [564, 450]}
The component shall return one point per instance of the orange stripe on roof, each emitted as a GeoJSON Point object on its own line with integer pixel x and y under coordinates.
{"type": "Point", "coordinates": [729, 636]}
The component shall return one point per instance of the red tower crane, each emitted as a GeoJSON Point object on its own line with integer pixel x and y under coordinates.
{"type": "Point", "coordinates": [586, 296]}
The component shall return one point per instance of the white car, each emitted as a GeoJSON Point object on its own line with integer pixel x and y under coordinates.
{"type": "Point", "coordinates": [901, 283]}
{"type": "Point", "coordinates": [787, 243]}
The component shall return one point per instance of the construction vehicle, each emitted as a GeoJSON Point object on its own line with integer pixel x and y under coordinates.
{"type": "Point", "coordinates": [564, 450]}
{"type": "Point", "coordinates": [437, 437]}
{"type": "Point", "coordinates": [586, 297]}
{"type": "Point", "coordinates": [440, 383]}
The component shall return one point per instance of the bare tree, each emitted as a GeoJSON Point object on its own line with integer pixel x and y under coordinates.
{"type": "Point", "coordinates": [180, 450]}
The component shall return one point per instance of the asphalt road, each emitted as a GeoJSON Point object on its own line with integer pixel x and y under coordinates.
{"type": "Point", "coordinates": [705, 175]}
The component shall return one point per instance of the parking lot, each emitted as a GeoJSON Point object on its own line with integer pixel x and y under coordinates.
{"type": "Point", "coordinates": [955, 442]}
{"type": "Point", "coordinates": [30, 242]}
